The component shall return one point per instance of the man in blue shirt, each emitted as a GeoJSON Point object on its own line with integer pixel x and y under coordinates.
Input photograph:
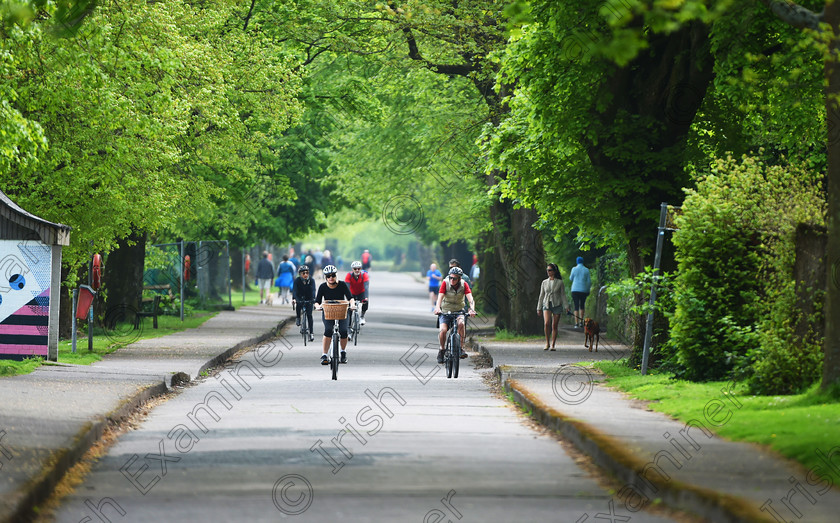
{"type": "Point", "coordinates": [581, 282]}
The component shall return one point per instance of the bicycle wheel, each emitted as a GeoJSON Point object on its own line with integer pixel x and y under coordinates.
{"type": "Point", "coordinates": [447, 357]}
{"type": "Point", "coordinates": [303, 331]}
{"type": "Point", "coordinates": [334, 359]}
{"type": "Point", "coordinates": [357, 327]}
{"type": "Point", "coordinates": [456, 353]}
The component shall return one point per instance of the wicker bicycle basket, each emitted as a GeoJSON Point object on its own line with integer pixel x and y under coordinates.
{"type": "Point", "coordinates": [335, 311]}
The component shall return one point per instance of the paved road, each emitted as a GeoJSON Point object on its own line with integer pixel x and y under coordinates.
{"type": "Point", "coordinates": [271, 437]}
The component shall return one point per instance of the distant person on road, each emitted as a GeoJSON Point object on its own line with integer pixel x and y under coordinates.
{"type": "Point", "coordinates": [265, 275]}
{"type": "Point", "coordinates": [455, 263]}
{"type": "Point", "coordinates": [434, 277]}
{"type": "Point", "coordinates": [581, 283]}
{"type": "Point", "coordinates": [333, 289]}
{"type": "Point", "coordinates": [303, 288]}
{"type": "Point", "coordinates": [285, 277]}
{"type": "Point", "coordinates": [475, 270]}
{"type": "Point", "coordinates": [451, 297]}
{"type": "Point", "coordinates": [359, 283]}
{"type": "Point", "coordinates": [552, 303]}
{"type": "Point", "coordinates": [366, 260]}
{"type": "Point", "coordinates": [327, 259]}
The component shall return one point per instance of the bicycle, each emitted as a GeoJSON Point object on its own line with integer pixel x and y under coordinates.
{"type": "Point", "coordinates": [452, 351]}
{"type": "Point", "coordinates": [335, 310]}
{"type": "Point", "coordinates": [305, 314]}
{"type": "Point", "coordinates": [355, 326]}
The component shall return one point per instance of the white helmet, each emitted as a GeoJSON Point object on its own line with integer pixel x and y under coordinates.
{"type": "Point", "coordinates": [356, 265]}
{"type": "Point", "coordinates": [330, 269]}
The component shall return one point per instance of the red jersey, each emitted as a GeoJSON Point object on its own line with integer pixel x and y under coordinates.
{"type": "Point", "coordinates": [443, 287]}
{"type": "Point", "coordinates": [357, 285]}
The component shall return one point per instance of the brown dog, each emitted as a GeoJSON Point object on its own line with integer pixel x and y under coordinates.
{"type": "Point", "coordinates": [593, 334]}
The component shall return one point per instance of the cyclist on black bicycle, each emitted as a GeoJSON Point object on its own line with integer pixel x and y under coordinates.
{"type": "Point", "coordinates": [333, 289]}
{"type": "Point", "coordinates": [303, 289]}
{"type": "Point", "coordinates": [451, 297]}
{"type": "Point", "coordinates": [359, 283]}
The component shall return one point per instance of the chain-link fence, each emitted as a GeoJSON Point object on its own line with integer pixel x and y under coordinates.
{"type": "Point", "coordinates": [206, 273]}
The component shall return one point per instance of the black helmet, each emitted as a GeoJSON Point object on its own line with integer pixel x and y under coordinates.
{"type": "Point", "coordinates": [303, 268]}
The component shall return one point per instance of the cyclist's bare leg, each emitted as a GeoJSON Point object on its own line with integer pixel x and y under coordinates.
{"type": "Point", "coordinates": [442, 334]}
{"type": "Point", "coordinates": [461, 328]}
{"type": "Point", "coordinates": [327, 344]}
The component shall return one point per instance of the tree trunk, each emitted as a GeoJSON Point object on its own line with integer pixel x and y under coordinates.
{"type": "Point", "coordinates": [809, 275]}
{"type": "Point", "coordinates": [236, 269]}
{"type": "Point", "coordinates": [458, 250]}
{"type": "Point", "coordinates": [519, 251]}
{"type": "Point", "coordinates": [123, 279]}
{"type": "Point", "coordinates": [65, 308]}
{"type": "Point", "coordinates": [831, 343]}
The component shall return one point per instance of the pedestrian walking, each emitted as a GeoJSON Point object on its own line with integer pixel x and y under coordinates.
{"type": "Point", "coordinates": [551, 304]}
{"type": "Point", "coordinates": [581, 283]}
{"type": "Point", "coordinates": [434, 276]}
{"type": "Point", "coordinates": [285, 278]}
{"type": "Point", "coordinates": [265, 275]}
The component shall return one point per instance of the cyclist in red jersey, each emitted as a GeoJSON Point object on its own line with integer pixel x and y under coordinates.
{"type": "Point", "coordinates": [359, 283]}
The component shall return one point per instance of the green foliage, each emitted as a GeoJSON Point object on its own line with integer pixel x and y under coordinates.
{"type": "Point", "coordinates": [151, 113]}
{"type": "Point", "coordinates": [734, 249]}
{"type": "Point", "coordinates": [14, 368]}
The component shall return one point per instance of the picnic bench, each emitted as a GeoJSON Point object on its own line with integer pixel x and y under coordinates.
{"type": "Point", "coordinates": [155, 312]}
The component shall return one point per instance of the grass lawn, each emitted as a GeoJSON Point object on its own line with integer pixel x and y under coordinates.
{"type": "Point", "coordinates": [800, 426]}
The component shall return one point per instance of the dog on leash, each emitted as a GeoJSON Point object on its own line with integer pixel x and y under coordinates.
{"type": "Point", "coordinates": [269, 299]}
{"type": "Point", "coordinates": [593, 334]}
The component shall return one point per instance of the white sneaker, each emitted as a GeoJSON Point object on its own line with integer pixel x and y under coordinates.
{"type": "Point", "coordinates": [362, 322]}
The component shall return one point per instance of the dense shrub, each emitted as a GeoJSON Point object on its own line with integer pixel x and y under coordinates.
{"type": "Point", "coordinates": [734, 302]}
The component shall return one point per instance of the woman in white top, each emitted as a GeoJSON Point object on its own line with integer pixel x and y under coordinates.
{"type": "Point", "coordinates": [552, 303]}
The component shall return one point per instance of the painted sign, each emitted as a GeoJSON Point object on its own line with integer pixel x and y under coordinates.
{"type": "Point", "coordinates": [25, 271]}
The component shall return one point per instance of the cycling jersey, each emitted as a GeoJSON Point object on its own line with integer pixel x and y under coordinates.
{"type": "Point", "coordinates": [357, 285]}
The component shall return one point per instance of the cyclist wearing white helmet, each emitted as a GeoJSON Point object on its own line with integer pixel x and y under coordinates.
{"type": "Point", "coordinates": [333, 289]}
{"type": "Point", "coordinates": [359, 283]}
{"type": "Point", "coordinates": [451, 297]}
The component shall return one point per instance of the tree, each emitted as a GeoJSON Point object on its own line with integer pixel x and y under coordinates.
{"type": "Point", "coordinates": [827, 24]}
{"type": "Point", "coordinates": [148, 100]}
{"type": "Point", "coordinates": [453, 41]}
{"type": "Point", "coordinates": [597, 136]}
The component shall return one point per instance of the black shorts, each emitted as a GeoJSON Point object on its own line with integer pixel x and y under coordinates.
{"type": "Point", "coordinates": [579, 299]}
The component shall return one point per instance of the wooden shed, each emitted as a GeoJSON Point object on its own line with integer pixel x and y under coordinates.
{"type": "Point", "coordinates": [30, 278]}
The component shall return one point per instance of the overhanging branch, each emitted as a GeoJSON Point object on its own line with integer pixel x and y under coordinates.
{"type": "Point", "coordinates": [448, 69]}
{"type": "Point", "coordinates": [794, 14]}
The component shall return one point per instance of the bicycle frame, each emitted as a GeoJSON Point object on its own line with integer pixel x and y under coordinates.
{"type": "Point", "coordinates": [452, 351]}
{"type": "Point", "coordinates": [305, 313]}
{"type": "Point", "coordinates": [355, 324]}
{"type": "Point", "coordinates": [335, 347]}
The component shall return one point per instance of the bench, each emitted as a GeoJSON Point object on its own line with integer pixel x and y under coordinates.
{"type": "Point", "coordinates": [162, 287]}
{"type": "Point", "coordinates": [154, 313]}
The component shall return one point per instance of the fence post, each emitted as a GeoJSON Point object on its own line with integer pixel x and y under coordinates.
{"type": "Point", "coordinates": [663, 213]}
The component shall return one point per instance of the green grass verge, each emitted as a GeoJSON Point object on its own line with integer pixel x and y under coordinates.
{"type": "Point", "coordinates": [505, 335]}
{"type": "Point", "coordinates": [13, 368]}
{"type": "Point", "coordinates": [103, 344]}
{"type": "Point", "coordinates": [800, 427]}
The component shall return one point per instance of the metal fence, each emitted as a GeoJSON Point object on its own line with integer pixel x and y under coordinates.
{"type": "Point", "coordinates": [206, 276]}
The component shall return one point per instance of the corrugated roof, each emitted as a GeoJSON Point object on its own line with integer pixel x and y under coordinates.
{"type": "Point", "coordinates": [50, 233]}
